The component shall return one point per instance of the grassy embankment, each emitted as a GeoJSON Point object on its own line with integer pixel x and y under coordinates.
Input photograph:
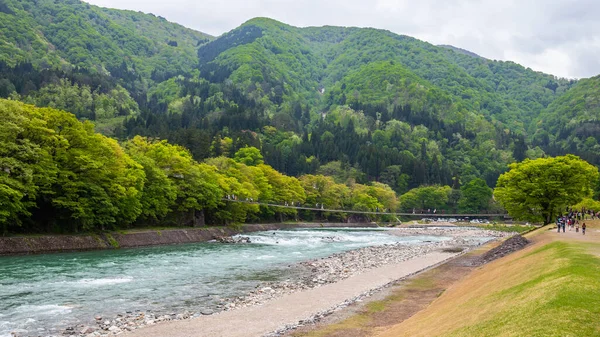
{"type": "Point", "coordinates": [551, 288]}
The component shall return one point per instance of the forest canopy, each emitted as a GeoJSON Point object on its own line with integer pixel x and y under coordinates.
{"type": "Point", "coordinates": [255, 109]}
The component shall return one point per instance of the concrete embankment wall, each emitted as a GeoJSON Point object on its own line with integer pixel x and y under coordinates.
{"type": "Point", "coordinates": [64, 243]}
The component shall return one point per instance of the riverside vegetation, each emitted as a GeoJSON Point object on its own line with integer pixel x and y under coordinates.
{"type": "Point", "coordinates": [58, 175]}
{"type": "Point", "coordinates": [343, 117]}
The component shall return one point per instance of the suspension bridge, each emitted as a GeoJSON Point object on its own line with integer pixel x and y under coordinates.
{"type": "Point", "coordinates": [322, 209]}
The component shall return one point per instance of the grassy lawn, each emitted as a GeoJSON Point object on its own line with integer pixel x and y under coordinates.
{"type": "Point", "coordinates": [553, 290]}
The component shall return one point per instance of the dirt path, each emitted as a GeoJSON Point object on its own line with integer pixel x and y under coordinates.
{"type": "Point", "coordinates": [292, 308]}
{"type": "Point", "coordinates": [397, 303]}
{"type": "Point", "coordinates": [540, 238]}
{"type": "Point", "coordinates": [386, 312]}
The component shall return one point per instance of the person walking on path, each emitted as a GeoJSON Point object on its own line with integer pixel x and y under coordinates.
{"type": "Point", "coordinates": [583, 228]}
{"type": "Point", "coordinates": [577, 227]}
{"type": "Point", "coordinates": [558, 224]}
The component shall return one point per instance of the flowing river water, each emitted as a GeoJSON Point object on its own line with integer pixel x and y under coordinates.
{"type": "Point", "coordinates": [41, 295]}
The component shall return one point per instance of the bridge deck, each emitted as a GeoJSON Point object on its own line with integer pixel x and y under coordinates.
{"type": "Point", "coordinates": [440, 215]}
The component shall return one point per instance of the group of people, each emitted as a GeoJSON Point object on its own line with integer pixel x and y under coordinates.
{"type": "Point", "coordinates": [571, 220]}
{"type": "Point", "coordinates": [582, 214]}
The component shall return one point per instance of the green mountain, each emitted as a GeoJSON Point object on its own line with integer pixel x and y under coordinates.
{"type": "Point", "coordinates": [571, 123]}
{"type": "Point", "coordinates": [459, 50]}
{"type": "Point", "coordinates": [306, 58]}
{"type": "Point", "coordinates": [67, 33]}
{"type": "Point", "coordinates": [359, 104]}
{"type": "Point", "coordinates": [95, 62]}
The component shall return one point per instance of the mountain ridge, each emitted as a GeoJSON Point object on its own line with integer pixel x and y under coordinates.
{"type": "Point", "coordinates": [358, 103]}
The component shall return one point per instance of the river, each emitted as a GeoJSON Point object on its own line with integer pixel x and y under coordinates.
{"type": "Point", "coordinates": [41, 295]}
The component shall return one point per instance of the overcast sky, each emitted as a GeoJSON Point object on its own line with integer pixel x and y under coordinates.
{"type": "Point", "coordinates": [560, 37]}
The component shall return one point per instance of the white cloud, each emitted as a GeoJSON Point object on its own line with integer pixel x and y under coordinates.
{"type": "Point", "coordinates": [561, 37]}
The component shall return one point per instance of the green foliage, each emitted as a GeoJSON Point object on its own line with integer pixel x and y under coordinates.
{"type": "Point", "coordinates": [276, 59]}
{"type": "Point", "coordinates": [572, 122]}
{"type": "Point", "coordinates": [588, 204]}
{"type": "Point", "coordinates": [159, 193]}
{"type": "Point", "coordinates": [340, 172]}
{"type": "Point", "coordinates": [58, 175]}
{"type": "Point", "coordinates": [540, 189]}
{"type": "Point", "coordinates": [357, 105]}
{"type": "Point", "coordinates": [26, 169]}
{"type": "Point", "coordinates": [88, 181]}
{"type": "Point", "coordinates": [73, 32]}
{"type": "Point", "coordinates": [113, 242]}
{"type": "Point", "coordinates": [475, 196]}
{"type": "Point", "coordinates": [524, 92]}
{"type": "Point", "coordinates": [249, 156]}
{"type": "Point", "coordinates": [394, 177]}
{"type": "Point", "coordinates": [425, 197]}
{"type": "Point", "coordinates": [388, 108]}
{"type": "Point", "coordinates": [323, 190]}
{"type": "Point", "coordinates": [83, 102]}
{"type": "Point", "coordinates": [196, 184]}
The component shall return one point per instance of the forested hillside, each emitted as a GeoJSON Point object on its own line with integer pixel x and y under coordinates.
{"type": "Point", "coordinates": [58, 175]}
{"type": "Point", "coordinates": [362, 98]}
{"type": "Point", "coordinates": [95, 62]}
{"type": "Point", "coordinates": [357, 105]}
{"type": "Point", "coordinates": [69, 32]}
{"type": "Point", "coordinates": [571, 124]}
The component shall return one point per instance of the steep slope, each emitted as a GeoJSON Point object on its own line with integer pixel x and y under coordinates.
{"type": "Point", "coordinates": [366, 97]}
{"type": "Point", "coordinates": [459, 50]}
{"type": "Point", "coordinates": [383, 106]}
{"type": "Point", "coordinates": [95, 62]}
{"type": "Point", "coordinates": [504, 91]}
{"type": "Point", "coordinates": [529, 91]}
{"type": "Point", "coordinates": [70, 32]}
{"type": "Point", "coordinates": [572, 122]}
{"type": "Point", "coordinates": [264, 55]}
{"type": "Point", "coordinates": [272, 52]}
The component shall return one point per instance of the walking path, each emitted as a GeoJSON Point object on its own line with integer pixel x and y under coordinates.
{"type": "Point", "coordinates": [459, 295]}
{"type": "Point", "coordinates": [292, 308]}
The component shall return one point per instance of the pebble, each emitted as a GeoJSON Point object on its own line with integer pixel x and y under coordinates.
{"type": "Point", "coordinates": [314, 273]}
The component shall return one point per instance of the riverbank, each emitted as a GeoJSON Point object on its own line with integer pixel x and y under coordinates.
{"type": "Point", "coordinates": [323, 286]}
{"type": "Point", "coordinates": [41, 244]}
{"type": "Point", "coordinates": [523, 294]}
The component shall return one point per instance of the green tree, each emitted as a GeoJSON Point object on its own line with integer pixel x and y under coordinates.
{"type": "Point", "coordinates": [159, 193]}
{"type": "Point", "coordinates": [98, 184]}
{"type": "Point", "coordinates": [323, 190]}
{"type": "Point", "coordinates": [26, 167]}
{"type": "Point", "coordinates": [425, 197]}
{"type": "Point", "coordinates": [394, 177]}
{"type": "Point", "coordinates": [588, 203]}
{"type": "Point", "coordinates": [538, 190]}
{"type": "Point", "coordinates": [285, 189]}
{"type": "Point", "coordinates": [363, 198]}
{"type": "Point", "coordinates": [249, 156]}
{"type": "Point", "coordinates": [197, 184]}
{"type": "Point", "coordinates": [240, 182]}
{"type": "Point", "coordinates": [475, 196]}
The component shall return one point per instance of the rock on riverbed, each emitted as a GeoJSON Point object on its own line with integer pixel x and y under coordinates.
{"type": "Point", "coordinates": [313, 273]}
{"type": "Point", "coordinates": [231, 239]}
{"type": "Point", "coordinates": [343, 265]}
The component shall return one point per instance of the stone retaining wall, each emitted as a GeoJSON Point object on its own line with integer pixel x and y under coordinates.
{"type": "Point", "coordinates": [65, 243]}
